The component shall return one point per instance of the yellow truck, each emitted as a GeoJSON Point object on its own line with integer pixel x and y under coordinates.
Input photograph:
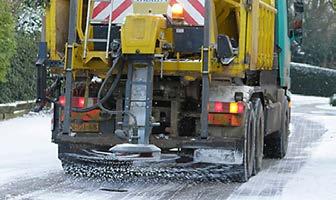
{"type": "Point", "coordinates": [167, 82]}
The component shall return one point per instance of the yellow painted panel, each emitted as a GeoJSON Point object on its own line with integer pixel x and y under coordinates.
{"type": "Point", "coordinates": [140, 33]}
{"type": "Point", "coordinates": [57, 20]}
{"type": "Point", "coordinates": [260, 35]}
{"type": "Point", "coordinates": [153, 8]}
{"type": "Point", "coordinates": [266, 37]}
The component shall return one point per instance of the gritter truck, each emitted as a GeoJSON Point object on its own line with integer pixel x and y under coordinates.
{"type": "Point", "coordinates": [192, 88]}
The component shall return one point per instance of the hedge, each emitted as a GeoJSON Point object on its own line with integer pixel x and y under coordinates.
{"type": "Point", "coordinates": [312, 80]}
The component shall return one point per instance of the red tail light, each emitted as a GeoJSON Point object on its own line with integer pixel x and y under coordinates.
{"type": "Point", "coordinates": [223, 107]}
{"type": "Point", "coordinates": [61, 100]}
{"type": "Point", "coordinates": [219, 107]}
{"type": "Point", "coordinates": [77, 102]}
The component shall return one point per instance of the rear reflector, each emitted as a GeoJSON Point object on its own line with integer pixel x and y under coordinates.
{"type": "Point", "coordinates": [224, 107]}
{"type": "Point", "coordinates": [225, 119]}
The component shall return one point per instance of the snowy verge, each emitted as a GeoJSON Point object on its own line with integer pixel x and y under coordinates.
{"type": "Point", "coordinates": [17, 103]}
{"type": "Point", "coordinates": [305, 100]}
{"type": "Point", "coordinates": [16, 109]}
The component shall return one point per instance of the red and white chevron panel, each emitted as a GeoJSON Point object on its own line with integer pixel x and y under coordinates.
{"type": "Point", "coordinates": [121, 8]}
{"type": "Point", "coordinates": [194, 11]}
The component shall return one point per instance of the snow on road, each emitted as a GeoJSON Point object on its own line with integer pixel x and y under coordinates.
{"type": "Point", "coordinates": [25, 148]}
{"type": "Point", "coordinates": [317, 178]}
{"type": "Point", "coordinates": [309, 169]}
{"type": "Point", "coordinates": [29, 168]}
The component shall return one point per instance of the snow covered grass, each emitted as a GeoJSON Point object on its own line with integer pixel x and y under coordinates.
{"type": "Point", "coordinates": [305, 100]}
{"type": "Point", "coordinates": [307, 68]}
{"type": "Point", "coordinates": [16, 103]}
{"type": "Point", "coordinates": [25, 148]}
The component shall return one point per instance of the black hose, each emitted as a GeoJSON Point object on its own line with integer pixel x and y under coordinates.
{"type": "Point", "coordinates": [102, 100]}
{"type": "Point", "coordinates": [112, 112]}
{"type": "Point", "coordinates": [109, 92]}
{"type": "Point", "coordinates": [113, 86]}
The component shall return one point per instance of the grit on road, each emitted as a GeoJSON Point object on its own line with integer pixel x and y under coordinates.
{"type": "Point", "coordinates": [29, 168]}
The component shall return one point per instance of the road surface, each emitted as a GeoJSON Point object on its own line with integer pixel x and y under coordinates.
{"type": "Point", "coordinates": [29, 168]}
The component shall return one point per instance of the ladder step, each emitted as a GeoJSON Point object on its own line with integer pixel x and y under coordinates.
{"type": "Point", "coordinates": [97, 40]}
{"type": "Point", "coordinates": [102, 0]}
{"type": "Point", "coordinates": [138, 83]}
{"type": "Point", "coordinates": [137, 100]}
{"type": "Point", "coordinates": [97, 21]}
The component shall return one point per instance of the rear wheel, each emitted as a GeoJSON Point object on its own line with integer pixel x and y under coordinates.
{"type": "Point", "coordinates": [260, 132]}
{"type": "Point", "coordinates": [276, 144]}
{"type": "Point", "coordinates": [249, 146]}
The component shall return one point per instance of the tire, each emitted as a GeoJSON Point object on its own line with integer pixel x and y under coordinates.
{"type": "Point", "coordinates": [260, 132]}
{"type": "Point", "coordinates": [249, 146]}
{"type": "Point", "coordinates": [276, 144]}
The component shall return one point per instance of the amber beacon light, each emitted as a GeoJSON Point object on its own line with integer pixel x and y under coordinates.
{"type": "Point", "coordinates": [177, 11]}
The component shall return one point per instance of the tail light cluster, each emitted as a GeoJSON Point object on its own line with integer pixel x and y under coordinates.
{"type": "Point", "coordinates": [226, 113]}
{"type": "Point", "coordinates": [82, 122]}
{"type": "Point", "coordinates": [230, 108]}
{"type": "Point", "coordinates": [77, 102]}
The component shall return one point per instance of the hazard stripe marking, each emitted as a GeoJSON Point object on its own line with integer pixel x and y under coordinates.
{"type": "Point", "coordinates": [99, 8]}
{"type": "Point", "coordinates": [117, 12]}
{"type": "Point", "coordinates": [194, 11]}
{"type": "Point", "coordinates": [198, 6]}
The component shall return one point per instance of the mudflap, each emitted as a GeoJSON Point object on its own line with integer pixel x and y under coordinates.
{"type": "Point", "coordinates": [219, 156]}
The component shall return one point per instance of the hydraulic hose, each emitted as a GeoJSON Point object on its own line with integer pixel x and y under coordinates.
{"type": "Point", "coordinates": [112, 112]}
{"type": "Point", "coordinates": [102, 100]}
{"type": "Point", "coordinates": [109, 92]}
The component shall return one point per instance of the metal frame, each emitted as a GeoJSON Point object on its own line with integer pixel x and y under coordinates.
{"type": "Point", "coordinates": [205, 72]}
{"type": "Point", "coordinates": [149, 99]}
{"type": "Point", "coordinates": [137, 138]}
{"type": "Point", "coordinates": [86, 37]}
{"type": "Point", "coordinates": [133, 138]}
{"type": "Point", "coordinates": [41, 65]}
{"type": "Point", "coordinates": [41, 72]}
{"type": "Point", "coordinates": [68, 71]}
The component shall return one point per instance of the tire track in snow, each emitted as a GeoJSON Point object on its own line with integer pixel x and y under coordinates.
{"type": "Point", "coordinates": [270, 181]}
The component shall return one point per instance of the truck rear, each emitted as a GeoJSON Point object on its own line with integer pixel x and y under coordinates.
{"type": "Point", "coordinates": [179, 82]}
